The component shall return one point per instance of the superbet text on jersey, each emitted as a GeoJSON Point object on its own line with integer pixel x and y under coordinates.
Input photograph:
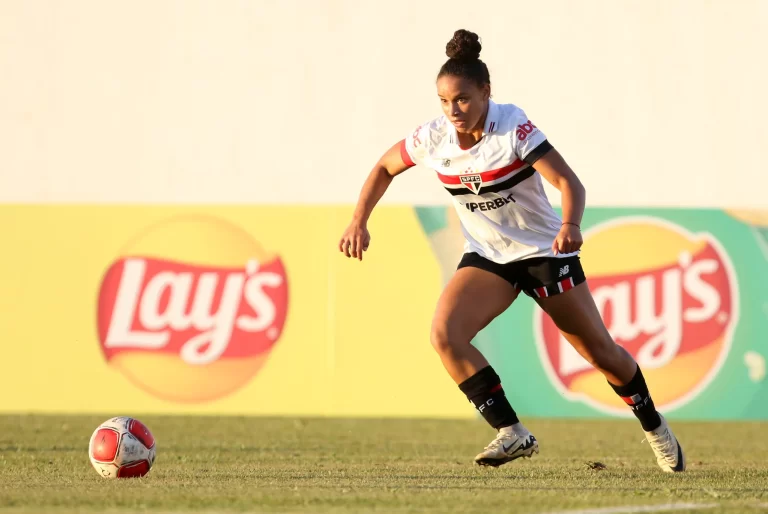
{"type": "Point", "coordinates": [505, 214]}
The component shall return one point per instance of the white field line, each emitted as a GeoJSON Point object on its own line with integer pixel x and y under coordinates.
{"type": "Point", "coordinates": [631, 509]}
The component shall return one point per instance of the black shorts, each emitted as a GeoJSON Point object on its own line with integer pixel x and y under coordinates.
{"type": "Point", "coordinates": [538, 277]}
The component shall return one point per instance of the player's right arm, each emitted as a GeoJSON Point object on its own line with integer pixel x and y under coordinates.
{"type": "Point", "coordinates": [403, 155]}
{"type": "Point", "coordinates": [356, 237]}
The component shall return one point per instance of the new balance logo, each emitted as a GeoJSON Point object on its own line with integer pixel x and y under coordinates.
{"type": "Point", "coordinates": [564, 270]}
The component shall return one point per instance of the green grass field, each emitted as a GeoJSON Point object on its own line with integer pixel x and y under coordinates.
{"type": "Point", "coordinates": [211, 464]}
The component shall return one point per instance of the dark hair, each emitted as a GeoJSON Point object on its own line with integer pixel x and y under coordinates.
{"type": "Point", "coordinates": [463, 52]}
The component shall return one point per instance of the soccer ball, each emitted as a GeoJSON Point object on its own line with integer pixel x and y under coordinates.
{"type": "Point", "coordinates": [122, 447]}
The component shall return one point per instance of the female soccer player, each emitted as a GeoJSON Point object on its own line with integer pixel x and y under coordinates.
{"type": "Point", "coordinates": [490, 158]}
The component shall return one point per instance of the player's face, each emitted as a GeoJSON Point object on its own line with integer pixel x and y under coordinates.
{"type": "Point", "coordinates": [463, 102]}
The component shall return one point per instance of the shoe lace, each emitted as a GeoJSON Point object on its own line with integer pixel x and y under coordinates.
{"type": "Point", "coordinates": [663, 445]}
{"type": "Point", "coordinates": [497, 442]}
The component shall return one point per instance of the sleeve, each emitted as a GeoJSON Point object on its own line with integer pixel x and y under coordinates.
{"type": "Point", "coordinates": [529, 142]}
{"type": "Point", "coordinates": [413, 149]}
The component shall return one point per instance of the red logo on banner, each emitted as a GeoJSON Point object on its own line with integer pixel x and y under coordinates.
{"type": "Point", "coordinates": [667, 296]}
{"type": "Point", "coordinates": [191, 309]}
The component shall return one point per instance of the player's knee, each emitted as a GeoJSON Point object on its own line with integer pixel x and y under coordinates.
{"type": "Point", "coordinates": [443, 339]}
{"type": "Point", "coordinates": [439, 338]}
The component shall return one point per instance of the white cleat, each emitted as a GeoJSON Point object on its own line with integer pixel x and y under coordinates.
{"type": "Point", "coordinates": [669, 453]}
{"type": "Point", "coordinates": [511, 443]}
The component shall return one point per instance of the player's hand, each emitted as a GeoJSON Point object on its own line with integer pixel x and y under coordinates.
{"type": "Point", "coordinates": [568, 239]}
{"type": "Point", "coordinates": [355, 240]}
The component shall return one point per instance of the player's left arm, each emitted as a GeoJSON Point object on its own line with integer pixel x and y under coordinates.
{"type": "Point", "coordinates": [531, 145]}
{"type": "Point", "coordinates": [556, 171]}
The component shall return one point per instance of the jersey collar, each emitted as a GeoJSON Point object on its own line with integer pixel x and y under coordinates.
{"type": "Point", "coordinates": [492, 119]}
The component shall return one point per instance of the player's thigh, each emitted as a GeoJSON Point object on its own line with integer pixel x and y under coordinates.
{"type": "Point", "coordinates": [471, 299]}
{"type": "Point", "coordinates": [559, 287]}
{"type": "Point", "coordinates": [575, 314]}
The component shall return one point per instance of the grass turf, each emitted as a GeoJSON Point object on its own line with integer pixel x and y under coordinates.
{"type": "Point", "coordinates": [213, 464]}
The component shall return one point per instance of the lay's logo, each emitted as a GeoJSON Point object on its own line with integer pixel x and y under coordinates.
{"type": "Point", "coordinates": [667, 296]}
{"type": "Point", "coordinates": [191, 309]}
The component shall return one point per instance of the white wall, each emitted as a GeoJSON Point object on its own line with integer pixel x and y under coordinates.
{"type": "Point", "coordinates": [653, 103]}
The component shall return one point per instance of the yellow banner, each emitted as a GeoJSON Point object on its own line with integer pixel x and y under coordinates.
{"type": "Point", "coordinates": [218, 309]}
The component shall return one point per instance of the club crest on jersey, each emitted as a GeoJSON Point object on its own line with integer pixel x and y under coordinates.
{"type": "Point", "coordinates": [472, 182]}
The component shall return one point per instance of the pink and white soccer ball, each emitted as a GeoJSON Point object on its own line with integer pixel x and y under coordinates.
{"type": "Point", "coordinates": [122, 447]}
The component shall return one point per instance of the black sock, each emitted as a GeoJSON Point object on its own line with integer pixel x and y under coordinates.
{"type": "Point", "coordinates": [484, 391]}
{"type": "Point", "coordinates": [636, 395]}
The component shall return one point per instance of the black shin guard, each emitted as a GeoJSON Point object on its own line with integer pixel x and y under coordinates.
{"type": "Point", "coordinates": [484, 391]}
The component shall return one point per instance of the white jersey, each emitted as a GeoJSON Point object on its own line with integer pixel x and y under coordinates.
{"type": "Point", "coordinates": [505, 214]}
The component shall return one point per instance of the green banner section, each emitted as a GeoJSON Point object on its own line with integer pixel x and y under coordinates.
{"type": "Point", "coordinates": [683, 290]}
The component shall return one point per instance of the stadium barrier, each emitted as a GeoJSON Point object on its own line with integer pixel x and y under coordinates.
{"type": "Point", "coordinates": [252, 310]}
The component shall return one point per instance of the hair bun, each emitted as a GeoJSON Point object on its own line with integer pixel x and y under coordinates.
{"type": "Point", "coordinates": [465, 46]}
